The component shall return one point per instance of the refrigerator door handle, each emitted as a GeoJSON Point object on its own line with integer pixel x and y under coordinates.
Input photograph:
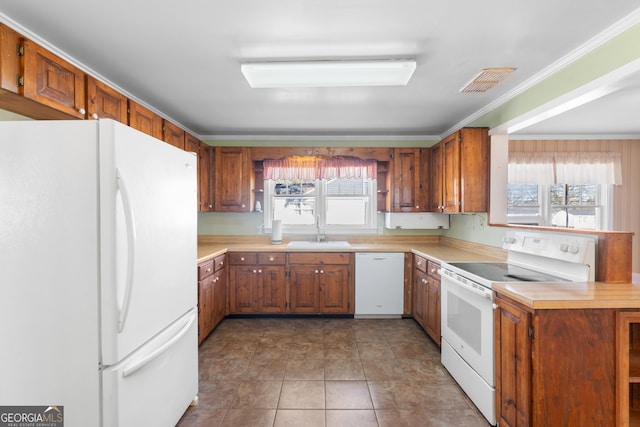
{"type": "Point", "coordinates": [131, 248]}
{"type": "Point", "coordinates": [145, 360]}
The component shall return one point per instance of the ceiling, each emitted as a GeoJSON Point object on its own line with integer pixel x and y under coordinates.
{"type": "Point", "coordinates": [183, 58]}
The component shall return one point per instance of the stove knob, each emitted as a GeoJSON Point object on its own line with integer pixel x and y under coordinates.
{"type": "Point", "coordinates": [564, 247]}
{"type": "Point", "coordinates": [574, 249]}
{"type": "Point", "coordinates": [509, 239]}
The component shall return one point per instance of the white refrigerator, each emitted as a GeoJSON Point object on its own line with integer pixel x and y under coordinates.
{"type": "Point", "coordinates": [98, 286]}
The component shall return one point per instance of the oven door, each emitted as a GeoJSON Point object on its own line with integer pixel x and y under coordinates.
{"type": "Point", "coordinates": [467, 322]}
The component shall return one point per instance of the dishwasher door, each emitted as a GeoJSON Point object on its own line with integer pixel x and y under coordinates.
{"type": "Point", "coordinates": [379, 285]}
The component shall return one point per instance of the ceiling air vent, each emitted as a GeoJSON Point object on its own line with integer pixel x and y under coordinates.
{"type": "Point", "coordinates": [486, 79]}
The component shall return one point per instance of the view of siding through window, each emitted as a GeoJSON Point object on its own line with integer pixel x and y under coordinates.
{"type": "Point", "coordinates": [567, 205]}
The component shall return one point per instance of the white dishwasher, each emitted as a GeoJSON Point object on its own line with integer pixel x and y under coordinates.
{"type": "Point", "coordinates": [379, 284]}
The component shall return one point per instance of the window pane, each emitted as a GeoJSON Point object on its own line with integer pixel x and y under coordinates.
{"type": "Point", "coordinates": [557, 194]}
{"type": "Point", "coordinates": [346, 187]}
{"type": "Point", "coordinates": [522, 199]}
{"type": "Point", "coordinates": [294, 210]}
{"type": "Point", "coordinates": [346, 211]}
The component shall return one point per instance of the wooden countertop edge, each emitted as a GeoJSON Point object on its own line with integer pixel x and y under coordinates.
{"type": "Point", "coordinates": [591, 295]}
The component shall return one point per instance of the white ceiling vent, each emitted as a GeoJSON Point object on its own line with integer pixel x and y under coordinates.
{"type": "Point", "coordinates": [486, 79]}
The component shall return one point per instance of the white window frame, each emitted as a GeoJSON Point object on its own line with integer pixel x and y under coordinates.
{"type": "Point", "coordinates": [604, 206]}
{"type": "Point", "coordinates": [321, 209]}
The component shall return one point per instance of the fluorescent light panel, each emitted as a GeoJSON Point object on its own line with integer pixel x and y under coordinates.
{"type": "Point", "coordinates": [329, 73]}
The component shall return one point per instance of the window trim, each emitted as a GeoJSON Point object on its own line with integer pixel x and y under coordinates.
{"type": "Point", "coordinates": [321, 206]}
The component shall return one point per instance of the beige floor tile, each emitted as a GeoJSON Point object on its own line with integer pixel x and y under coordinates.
{"type": "Point", "coordinates": [223, 369]}
{"type": "Point", "coordinates": [265, 369]}
{"type": "Point", "coordinates": [347, 395]}
{"type": "Point", "coordinates": [381, 370]}
{"type": "Point", "coordinates": [302, 395]}
{"type": "Point", "coordinates": [299, 418]}
{"type": "Point", "coordinates": [351, 418]}
{"type": "Point", "coordinates": [257, 395]}
{"type": "Point", "coordinates": [394, 395]}
{"type": "Point", "coordinates": [303, 369]}
{"type": "Point", "coordinates": [305, 350]}
{"type": "Point", "coordinates": [415, 417]}
{"type": "Point", "coordinates": [343, 369]}
{"type": "Point", "coordinates": [249, 418]}
{"type": "Point", "coordinates": [374, 350]}
{"type": "Point", "coordinates": [204, 418]}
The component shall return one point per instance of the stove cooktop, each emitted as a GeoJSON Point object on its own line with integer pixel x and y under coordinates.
{"type": "Point", "coordinates": [503, 272]}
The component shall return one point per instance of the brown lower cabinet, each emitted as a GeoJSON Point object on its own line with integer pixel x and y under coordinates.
{"type": "Point", "coordinates": [212, 295]}
{"type": "Point", "coordinates": [257, 283]}
{"type": "Point", "coordinates": [293, 283]}
{"type": "Point", "coordinates": [555, 367]}
{"type": "Point", "coordinates": [426, 296]}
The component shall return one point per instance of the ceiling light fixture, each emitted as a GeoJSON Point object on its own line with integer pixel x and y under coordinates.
{"type": "Point", "coordinates": [390, 72]}
{"type": "Point", "coordinates": [487, 79]}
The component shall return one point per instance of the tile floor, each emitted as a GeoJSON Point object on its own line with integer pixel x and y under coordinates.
{"type": "Point", "coordinates": [325, 372]}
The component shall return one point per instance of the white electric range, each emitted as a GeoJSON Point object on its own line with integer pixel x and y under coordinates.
{"type": "Point", "coordinates": [467, 301]}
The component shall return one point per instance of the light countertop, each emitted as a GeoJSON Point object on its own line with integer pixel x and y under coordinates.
{"type": "Point", "coordinates": [532, 295]}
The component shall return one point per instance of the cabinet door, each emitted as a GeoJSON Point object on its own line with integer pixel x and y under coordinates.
{"type": "Point", "coordinates": [243, 289]}
{"type": "Point", "coordinates": [436, 197]}
{"type": "Point", "coordinates": [145, 120]}
{"type": "Point", "coordinates": [334, 282]}
{"type": "Point", "coordinates": [233, 179]}
{"type": "Point", "coordinates": [104, 102]}
{"type": "Point", "coordinates": [172, 134]}
{"type": "Point", "coordinates": [303, 289]}
{"type": "Point", "coordinates": [419, 295]}
{"type": "Point", "coordinates": [432, 317]}
{"type": "Point", "coordinates": [272, 289]}
{"type": "Point", "coordinates": [205, 307]}
{"type": "Point", "coordinates": [408, 191]}
{"type": "Point", "coordinates": [52, 81]}
{"type": "Point", "coordinates": [219, 298]}
{"type": "Point", "coordinates": [205, 177]}
{"type": "Point", "coordinates": [451, 173]}
{"type": "Point", "coordinates": [513, 365]}
{"type": "Point", "coordinates": [9, 59]}
{"type": "Point", "coordinates": [474, 170]}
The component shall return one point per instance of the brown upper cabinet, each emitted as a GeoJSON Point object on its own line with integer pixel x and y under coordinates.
{"type": "Point", "coordinates": [460, 172]}
{"type": "Point", "coordinates": [234, 179]}
{"type": "Point", "coordinates": [173, 134]}
{"type": "Point", "coordinates": [10, 50]}
{"type": "Point", "coordinates": [145, 120]}
{"type": "Point", "coordinates": [104, 102]}
{"type": "Point", "coordinates": [206, 167]}
{"type": "Point", "coordinates": [52, 81]}
{"type": "Point", "coordinates": [409, 183]}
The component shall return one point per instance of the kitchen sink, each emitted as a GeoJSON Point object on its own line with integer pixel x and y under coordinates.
{"type": "Point", "coordinates": [325, 244]}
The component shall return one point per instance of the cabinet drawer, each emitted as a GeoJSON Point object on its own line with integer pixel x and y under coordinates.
{"type": "Point", "coordinates": [268, 258]}
{"type": "Point", "coordinates": [243, 258]}
{"type": "Point", "coordinates": [219, 262]}
{"type": "Point", "coordinates": [205, 269]}
{"type": "Point", "coordinates": [319, 258]}
{"type": "Point", "coordinates": [420, 263]}
{"type": "Point", "coordinates": [432, 269]}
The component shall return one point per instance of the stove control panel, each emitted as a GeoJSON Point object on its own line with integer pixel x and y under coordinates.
{"type": "Point", "coordinates": [568, 248]}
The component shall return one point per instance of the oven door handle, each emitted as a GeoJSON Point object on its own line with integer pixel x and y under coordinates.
{"type": "Point", "coordinates": [475, 289]}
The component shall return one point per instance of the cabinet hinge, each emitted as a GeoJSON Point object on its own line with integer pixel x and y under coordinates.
{"type": "Point", "coordinates": [19, 49]}
{"type": "Point", "coordinates": [531, 332]}
{"type": "Point", "coordinates": [19, 80]}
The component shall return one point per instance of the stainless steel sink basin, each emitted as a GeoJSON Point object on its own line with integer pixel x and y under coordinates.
{"type": "Point", "coordinates": [328, 244]}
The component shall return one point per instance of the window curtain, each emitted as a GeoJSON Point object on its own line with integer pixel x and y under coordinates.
{"type": "Point", "coordinates": [311, 168]}
{"type": "Point", "coordinates": [546, 168]}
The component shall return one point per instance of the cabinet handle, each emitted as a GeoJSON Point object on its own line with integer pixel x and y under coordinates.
{"type": "Point", "coordinates": [433, 270]}
{"type": "Point", "coordinates": [254, 271]}
{"type": "Point", "coordinates": [94, 116]}
{"type": "Point", "coordinates": [316, 271]}
{"type": "Point", "coordinates": [495, 306]}
{"type": "Point", "coordinates": [271, 259]}
{"type": "Point", "coordinates": [82, 111]}
{"type": "Point", "coordinates": [419, 262]}
{"type": "Point", "coordinates": [243, 206]}
{"type": "Point", "coordinates": [242, 259]}
{"type": "Point", "coordinates": [221, 264]}
{"type": "Point", "coordinates": [321, 271]}
{"type": "Point", "coordinates": [259, 271]}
